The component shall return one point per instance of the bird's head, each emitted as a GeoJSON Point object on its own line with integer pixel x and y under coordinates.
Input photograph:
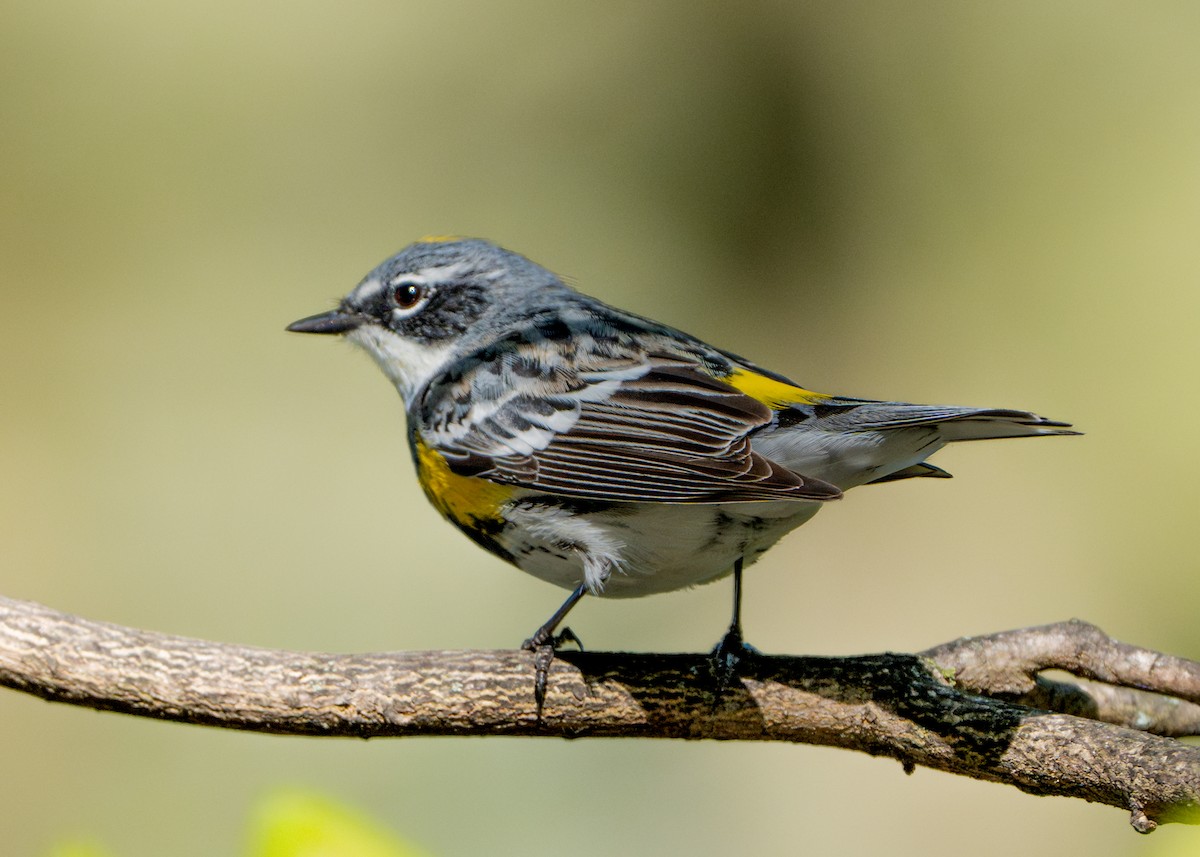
{"type": "Point", "coordinates": [420, 307]}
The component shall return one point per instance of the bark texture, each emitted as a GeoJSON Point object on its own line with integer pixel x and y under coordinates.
{"type": "Point", "coordinates": [976, 706]}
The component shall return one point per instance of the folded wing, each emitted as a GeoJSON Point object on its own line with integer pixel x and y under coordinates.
{"type": "Point", "coordinates": [636, 429]}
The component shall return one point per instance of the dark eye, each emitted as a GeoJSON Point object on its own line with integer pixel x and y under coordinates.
{"type": "Point", "coordinates": [408, 295]}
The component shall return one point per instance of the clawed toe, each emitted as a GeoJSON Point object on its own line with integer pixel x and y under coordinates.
{"type": "Point", "coordinates": [544, 656]}
{"type": "Point", "coordinates": [545, 638]}
{"type": "Point", "coordinates": [728, 655]}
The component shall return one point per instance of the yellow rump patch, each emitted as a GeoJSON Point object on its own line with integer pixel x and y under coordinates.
{"type": "Point", "coordinates": [438, 239]}
{"type": "Point", "coordinates": [776, 395]}
{"type": "Point", "coordinates": [462, 499]}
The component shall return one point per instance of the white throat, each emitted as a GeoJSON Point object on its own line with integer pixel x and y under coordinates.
{"type": "Point", "coordinates": [407, 364]}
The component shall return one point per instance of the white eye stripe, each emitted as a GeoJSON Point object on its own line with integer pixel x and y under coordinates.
{"type": "Point", "coordinates": [430, 276]}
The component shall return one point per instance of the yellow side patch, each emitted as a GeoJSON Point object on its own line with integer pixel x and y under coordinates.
{"type": "Point", "coordinates": [462, 499]}
{"type": "Point", "coordinates": [776, 395]}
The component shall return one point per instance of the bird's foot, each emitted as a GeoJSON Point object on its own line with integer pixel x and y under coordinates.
{"type": "Point", "coordinates": [727, 657]}
{"type": "Point", "coordinates": [545, 637]}
{"type": "Point", "coordinates": [544, 643]}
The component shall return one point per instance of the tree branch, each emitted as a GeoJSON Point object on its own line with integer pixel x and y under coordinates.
{"type": "Point", "coordinates": [976, 707]}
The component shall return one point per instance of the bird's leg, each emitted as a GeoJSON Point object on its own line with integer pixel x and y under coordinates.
{"type": "Point", "coordinates": [733, 648]}
{"type": "Point", "coordinates": [545, 634]}
{"type": "Point", "coordinates": [544, 641]}
{"type": "Point", "coordinates": [735, 624]}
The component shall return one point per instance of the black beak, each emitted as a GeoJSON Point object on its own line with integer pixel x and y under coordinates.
{"type": "Point", "coordinates": [335, 321]}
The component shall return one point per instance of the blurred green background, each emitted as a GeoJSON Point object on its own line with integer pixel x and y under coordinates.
{"type": "Point", "coordinates": [992, 204]}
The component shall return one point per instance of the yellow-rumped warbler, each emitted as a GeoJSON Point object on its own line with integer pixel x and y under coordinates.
{"type": "Point", "coordinates": [607, 453]}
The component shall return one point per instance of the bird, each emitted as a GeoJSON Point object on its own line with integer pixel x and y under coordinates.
{"type": "Point", "coordinates": [605, 452]}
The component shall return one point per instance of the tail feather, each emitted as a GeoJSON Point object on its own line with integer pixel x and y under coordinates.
{"type": "Point", "coordinates": [954, 423]}
{"type": "Point", "coordinates": [997, 423]}
{"type": "Point", "coordinates": [851, 442]}
{"type": "Point", "coordinates": [915, 471]}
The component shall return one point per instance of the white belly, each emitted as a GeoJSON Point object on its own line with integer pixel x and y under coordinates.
{"type": "Point", "coordinates": [633, 549]}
